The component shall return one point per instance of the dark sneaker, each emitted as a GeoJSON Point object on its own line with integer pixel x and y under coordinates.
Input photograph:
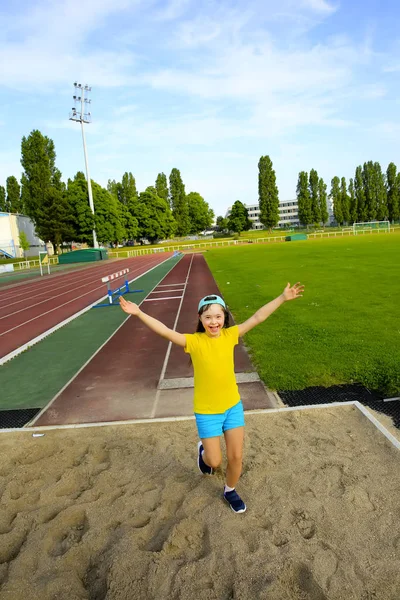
{"type": "Point", "coordinates": [205, 469]}
{"type": "Point", "coordinates": [235, 501]}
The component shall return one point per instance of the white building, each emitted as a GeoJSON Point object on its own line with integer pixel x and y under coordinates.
{"type": "Point", "coordinates": [288, 214]}
{"type": "Point", "coordinates": [11, 226]}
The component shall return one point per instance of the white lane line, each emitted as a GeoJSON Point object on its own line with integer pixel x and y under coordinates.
{"type": "Point", "coordinates": [48, 299]}
{"type": "Point", "coordinates": [96, 352]}
{"type": "Point", "coordinates": [159, 299]}
{"type": "Point", "coordinates": [166, 291]}
{"type": "Point", "coordinates": [42, 287]}
{"type": "Point", "coordinates": [170, 284]}
{"type": "Point", "coordinates": [164, 367]}
{"type": "Point", "coordinates": [66, 279]}
{"type": "Point", "coordinates": [33, 341]}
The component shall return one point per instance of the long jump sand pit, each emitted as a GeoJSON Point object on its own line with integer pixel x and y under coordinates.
{"type": "Point", "coordinates": [121, 512]}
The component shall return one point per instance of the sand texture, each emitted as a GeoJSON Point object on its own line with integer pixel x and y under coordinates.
{"type": "Point", "coordinates": [121, 513]}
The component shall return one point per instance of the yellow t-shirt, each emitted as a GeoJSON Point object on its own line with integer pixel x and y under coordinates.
{"type": "Point", "coordinates": [215, 387]}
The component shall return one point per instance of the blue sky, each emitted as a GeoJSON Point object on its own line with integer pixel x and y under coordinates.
{"type": "Point", "coordinates": [205, 86]}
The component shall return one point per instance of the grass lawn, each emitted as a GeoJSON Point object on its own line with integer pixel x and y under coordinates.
{"type": "Point", "coordinates": [345, 329]}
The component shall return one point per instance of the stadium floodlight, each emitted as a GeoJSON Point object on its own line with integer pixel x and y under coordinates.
{"type": "Point", "coordinates": [80, 116]}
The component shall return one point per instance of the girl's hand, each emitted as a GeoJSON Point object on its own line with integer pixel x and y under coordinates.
{"type": "Point", "coordinates": [129, 307]}
{"type": "Point", "coordinates": [291, 293]}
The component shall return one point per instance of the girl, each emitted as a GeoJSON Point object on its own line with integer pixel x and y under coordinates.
{"type": "Point", "coordinates": [217, 405]}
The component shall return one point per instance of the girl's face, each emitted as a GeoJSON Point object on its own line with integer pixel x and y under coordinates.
{"type": "Point", "coordinates": [213, 318]}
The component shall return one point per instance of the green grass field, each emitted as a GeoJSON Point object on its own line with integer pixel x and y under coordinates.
{"type": "Point", "coordinates": [345, 329]}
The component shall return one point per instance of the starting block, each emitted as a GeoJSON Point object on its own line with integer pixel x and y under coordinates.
{"type": "Point", "coordinates": [123, 289]}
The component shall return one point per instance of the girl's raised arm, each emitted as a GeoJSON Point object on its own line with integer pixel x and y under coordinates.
{"type": "Point", "coordinates": [173, 336]}
{"type": "Point", "coordinates": [289, 293]}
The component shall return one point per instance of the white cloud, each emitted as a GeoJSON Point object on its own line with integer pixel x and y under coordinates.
{"type": "Point", "coordinates": [320, 6]}
{"type": "Point", "coordinates": [173, 10]}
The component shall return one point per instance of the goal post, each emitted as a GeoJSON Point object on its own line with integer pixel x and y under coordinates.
{"type": "Point", "coordinates": [369, 226]}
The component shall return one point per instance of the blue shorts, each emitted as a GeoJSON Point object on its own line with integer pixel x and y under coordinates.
{"type": "Point", "coordinates": [214, 425]}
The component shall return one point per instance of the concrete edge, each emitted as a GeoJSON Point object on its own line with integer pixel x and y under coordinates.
{"type": "Point", "coordinates": [188, 382]}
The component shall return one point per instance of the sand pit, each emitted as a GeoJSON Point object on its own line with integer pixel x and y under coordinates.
{"type": "Point", "coordinates": [121, 512]}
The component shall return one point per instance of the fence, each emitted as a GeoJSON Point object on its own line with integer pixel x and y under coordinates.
{"type": "Point", "coordinates": [29, 264]}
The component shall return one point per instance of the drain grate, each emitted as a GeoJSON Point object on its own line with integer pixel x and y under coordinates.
{"type": "Point", "coordinates": [342, 393]}
{"type": "Point", "coordinates": [11, 419]}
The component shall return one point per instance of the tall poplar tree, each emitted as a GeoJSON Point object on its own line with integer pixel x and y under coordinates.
{"type": "Point", "coordinates": [315, 206]}
{"type": "Point", "coordinates": [353, 211]}
{"type": "Point", "coordinates": [268, 196]}
{"type": "Point", "coordinates": [179, 203]}
{"type": "Point", "coordinates": [369, 190]}
{"type": "Point", "coordinates": [303, 199]}
{"type": "Point", "coordinates": [336, 197]}
{"type": "Point", "coordinates": [3, 204]}
{"type": "Point", "coordinates": [360, 195]}
{"type": "Point", "coordinates": [13, 195]}
{"type": "Point", "coordinates": [382, 211]}
{"type": "Point", "coordinates": [42, 191]}
{"type": "Point", "coordinates": [344, 201]}
{"type": "Point", "coordinates": [322, 201]}
{"type": "Point", "coordinates": [393, 192]}
{"type": "Point", "coordinates": [162, 187]}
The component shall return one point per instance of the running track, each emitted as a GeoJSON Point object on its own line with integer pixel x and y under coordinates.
{"type": "Point", "coordinates": [123, 379]}
{"type": "Point", "coordinates": [29, 309]}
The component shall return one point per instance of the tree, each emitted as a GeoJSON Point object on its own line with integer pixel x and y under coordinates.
{"type": "Point", "coordinates": [353, 209]}
{"type": "Point", "coordinates": [24, 242]}
{"type": "Point", "coordinates": [393, 192]}
{"type": "Point", "coordinates": [3, 204]}
{"type": "Point", "coordinates": [156, 220]}
{"type": "Point", "coordinates": [336, 198]}
{"type": "Point", "coordinates": [303, 199]}
{"type": "Point", "coordinates": [107, 217]}
{"type": "Point", "coordinates": [179, 204]}
{"type": "Point", "coordinates": [201, 216]}
{"type": "Point", "coordinates": [322, 201]}
{"type": "Point", "coordinates": [380, 193]}
{"type": "Point", "coordinates": [38, 158]}
{"type": "Point", "coordinates": [369, 189]}
{"type": "Point", "coordinates": [238, 220]}
{"type": "Point", "coordinates": [13, 195]}
{"type": "Point", "coordinates": [268, 197]}
{"type": "Point", "coordinates": [344, 201]}
{"type": "Point", "coordinates": [53, 218]}
{"type": "Point", "coordinates": [221, 223]}
{"type": "Point", "coordinates": [42, 191]}
{"type": "Point", "coordinates": [162, 187]}
{"type": "Point", "coordinates": [360, 195]}
{"type": "Point", "coordinates": [314, 197]}
{"type": "Point", "coordinates": [82, 219]}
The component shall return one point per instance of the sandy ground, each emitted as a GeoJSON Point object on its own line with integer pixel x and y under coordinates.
{"type": "Point", "coordinates": [121, 512]}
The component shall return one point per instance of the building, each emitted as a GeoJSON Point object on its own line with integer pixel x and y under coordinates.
{"type": "Point", "coordinates": [288, 214]}
{"type": "Point", "coordinates": [10, 227]}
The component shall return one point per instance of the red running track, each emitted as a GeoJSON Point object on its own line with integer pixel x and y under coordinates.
{"type": "Point", "coordinates": [30, 309]}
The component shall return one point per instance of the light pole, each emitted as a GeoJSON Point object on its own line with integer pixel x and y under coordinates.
{"type": "Point", "coordinates": [80, 116]}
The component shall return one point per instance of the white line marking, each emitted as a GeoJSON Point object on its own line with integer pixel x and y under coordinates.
{"type": "Point", "coordinates": [70, 290]}
{"type": "Point", "coordinates": [40, 337]}
{"type": "Point", "coordinates": [164, 367]}
{"type": "Point", "coordinates": [94, 354]}
{"type": "Point", "coordinates": [170, 284]}
{"type": "Point", "coordinates": [52, 309]}
{"type": "Point", "coordinates": [166, 298]}
{"type": "Point", "coordinates": [166, 291]}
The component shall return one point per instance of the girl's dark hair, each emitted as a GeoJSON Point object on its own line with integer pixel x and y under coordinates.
{"type": "Point", "coordinates": [200, 327]}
